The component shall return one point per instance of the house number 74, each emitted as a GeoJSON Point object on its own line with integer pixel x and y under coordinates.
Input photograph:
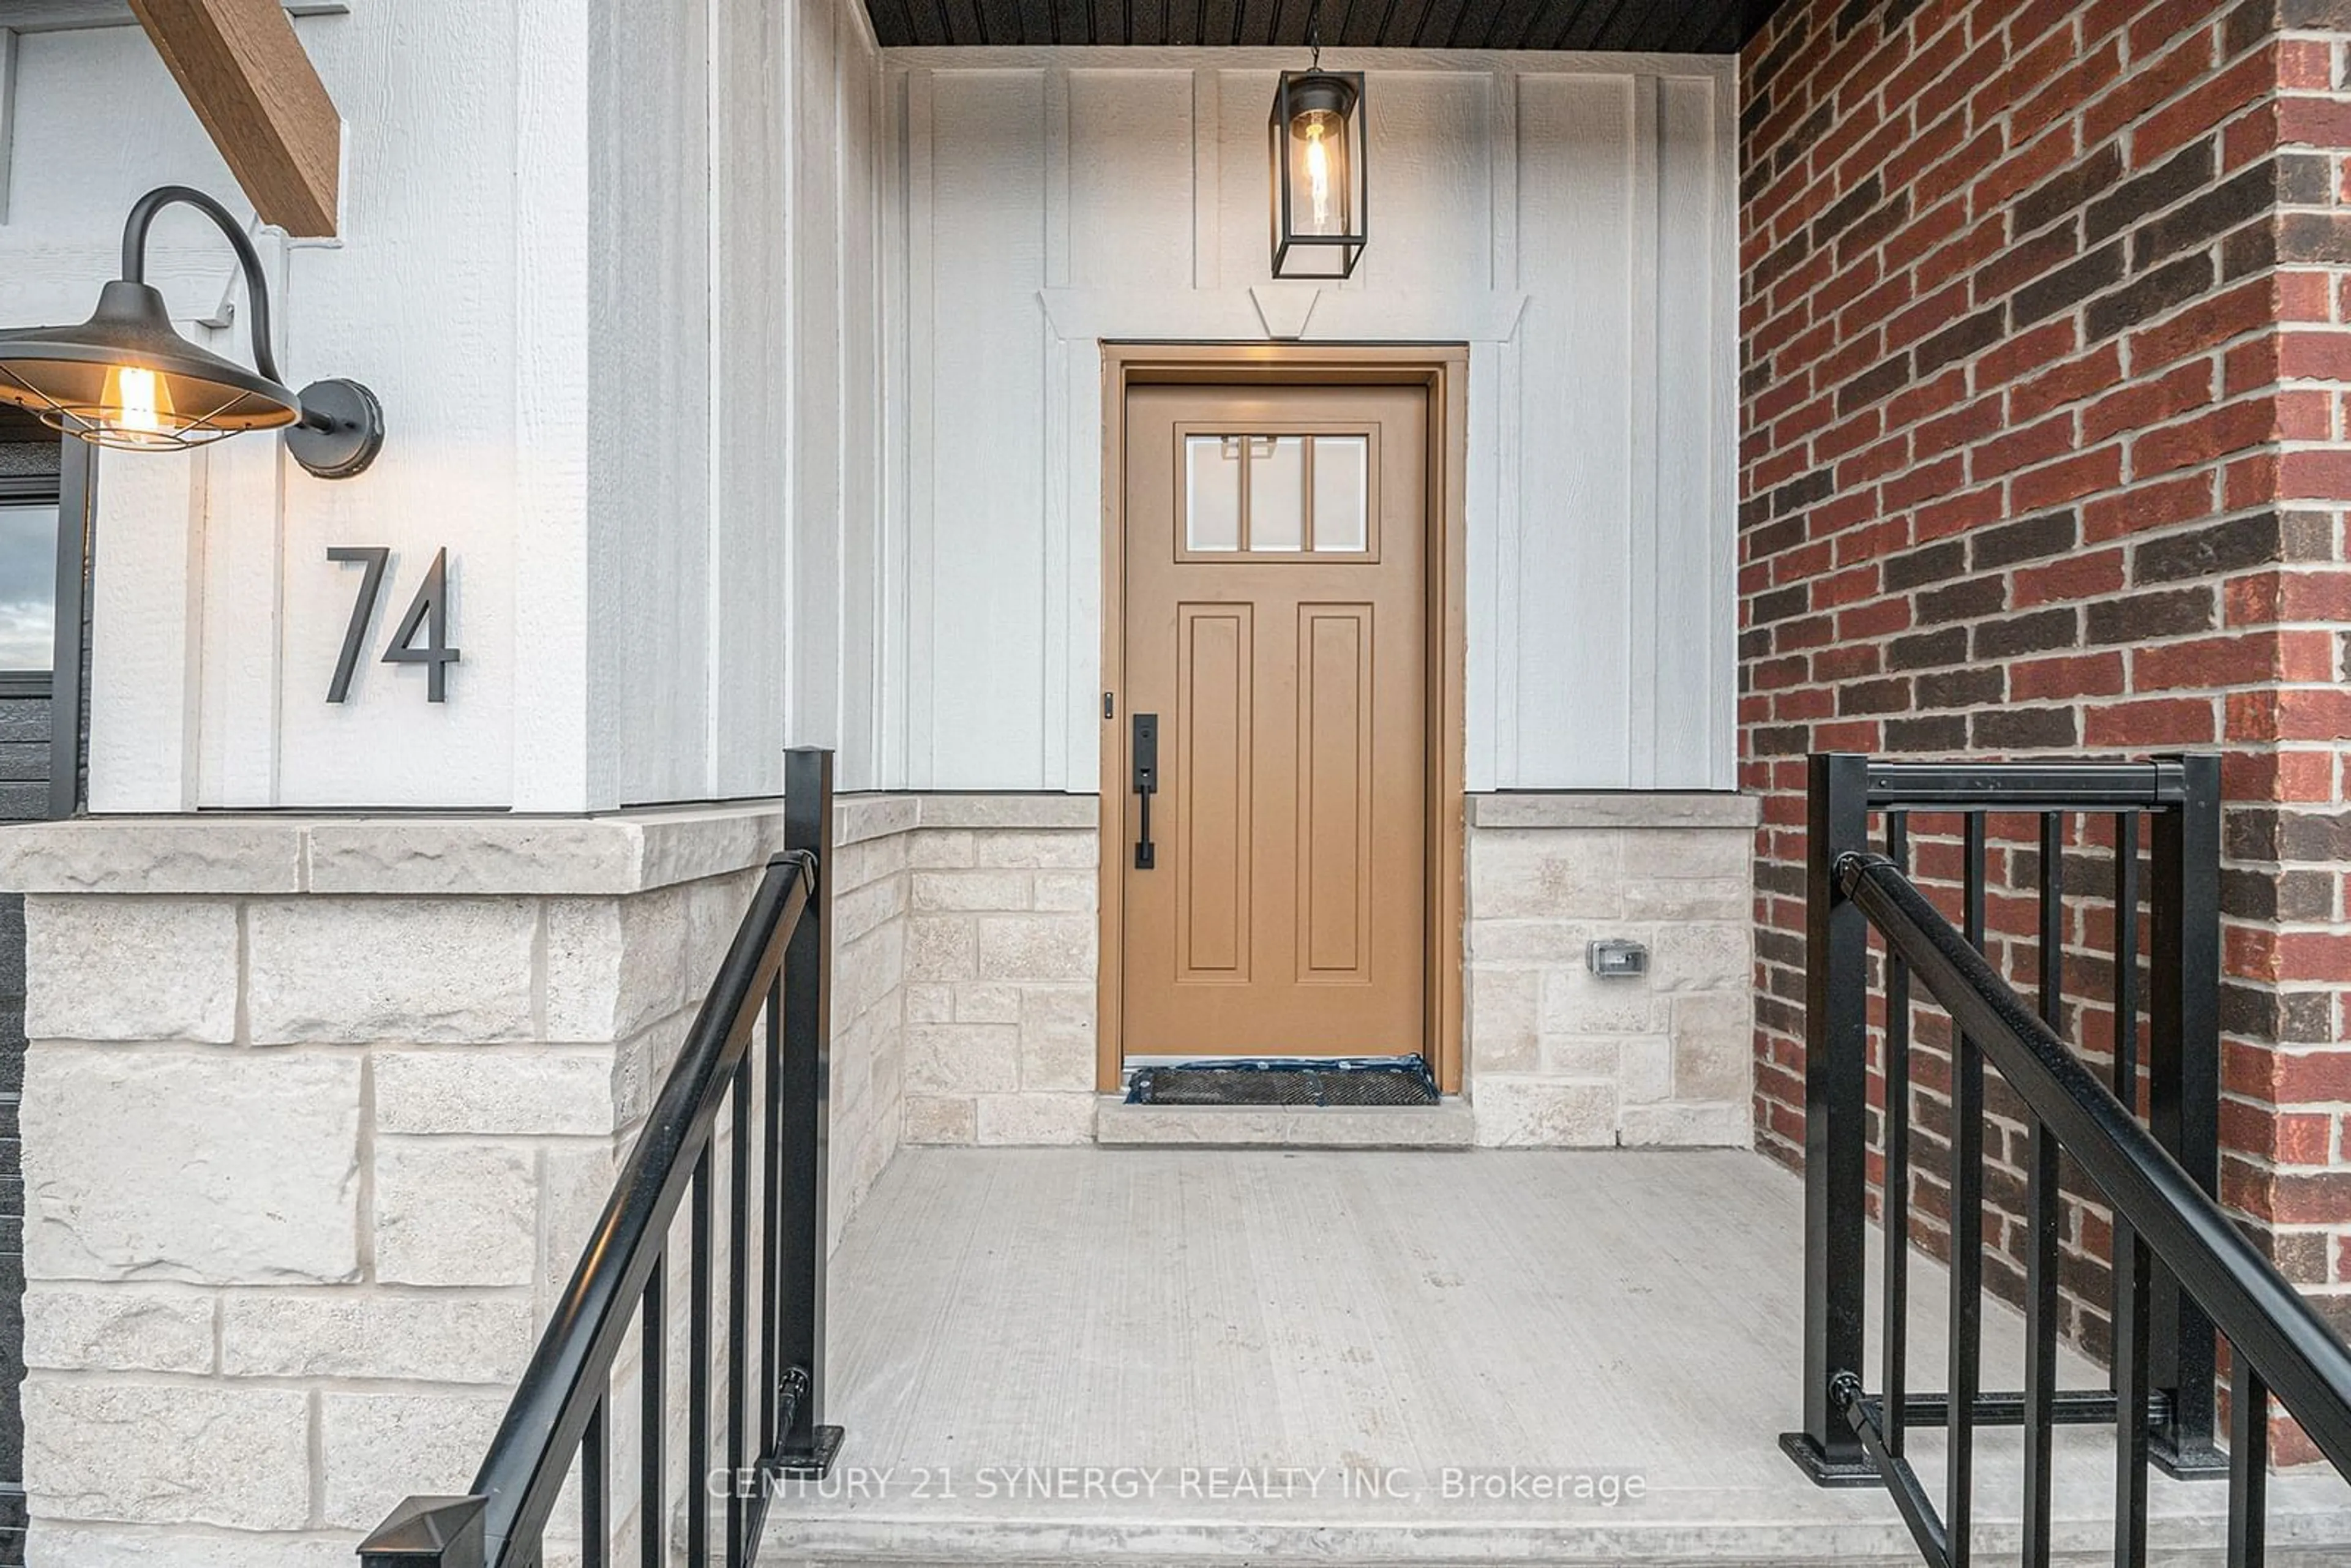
{"type": "Point", "coordinates": [428, 613]}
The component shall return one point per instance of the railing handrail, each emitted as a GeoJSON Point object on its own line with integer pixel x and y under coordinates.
{"type": "Point", "coordinates": [2264, 1318]}
{"type": "Point", "coordinates": [2089, 784]}
{"type": "Point", "coordinates": [545, 1420]}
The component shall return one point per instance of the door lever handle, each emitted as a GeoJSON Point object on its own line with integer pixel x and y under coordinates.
{"type": "Point", "coordinates": [1146, 784]}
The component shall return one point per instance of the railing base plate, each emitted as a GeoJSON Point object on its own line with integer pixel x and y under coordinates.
{"type": "Point", "coordinates": [1823, 1472]}
{"type": "Point", "coordinates": [2198, 1462]}
{"type": "Point", "coordinates": [817, 1462]}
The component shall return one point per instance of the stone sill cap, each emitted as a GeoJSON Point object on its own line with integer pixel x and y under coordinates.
{"type": "Point", "coordinates": [463, 854]}
{"type": "Point", "coordinates": [1617, 808]}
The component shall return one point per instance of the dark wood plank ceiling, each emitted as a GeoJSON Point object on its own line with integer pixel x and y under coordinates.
{"type": "Point", "coordinates": [1686, 27]}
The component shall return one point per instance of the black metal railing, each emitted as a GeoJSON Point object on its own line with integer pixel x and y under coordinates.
{"type": "Point", "coordinates": [772, 994]}
{"type": "Point", "coordinates": [2180, 1268]}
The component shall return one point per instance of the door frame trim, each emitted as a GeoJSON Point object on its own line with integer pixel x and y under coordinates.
{"type": "Point", "coordinates": [1443, 369]}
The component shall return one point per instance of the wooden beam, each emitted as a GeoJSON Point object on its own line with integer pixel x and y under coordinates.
{"type": "Point", "coordinates": [244, 74]}
{"type": "Point", "coordinates": [72, 16]}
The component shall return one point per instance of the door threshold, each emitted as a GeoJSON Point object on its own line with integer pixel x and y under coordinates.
{"type": "Point", "coordinates": [1447, 1124]}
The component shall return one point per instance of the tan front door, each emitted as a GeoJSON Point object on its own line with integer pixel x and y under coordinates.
{"type": "Point", "coordinates": [1275, 628]}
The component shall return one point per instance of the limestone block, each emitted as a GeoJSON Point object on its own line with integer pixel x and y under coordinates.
{"type": "Point", "coordinates": [376, 1448]}
{"type": "Point", "coordinates": [1078, 891]}
{"type": "Point", "coordinates": [1645, 1071]}
{"type": "Point", "coordinates": [58, 1545]}
{"type": "Point", "coordinates": [1710, 854]}
{"type": "Point", "coordinates": [985, 1003]}
{"type": "Point", "coordinates": [640, 1063]}
{"type": "Point", "coordinates": [1504, 1006]}
{"type": "Point", "coordinates": [578, 1180]}
{"type": "Point", "coordinates": [500, 1088]}
{"type": "Point", "coordinates": [1544, 942]}
{"type": "Point", "coordinates": [449, 1212]}
{"type": "Point", "coordinates": [1520, 873]}
{"type": "Point", "coordinates": [131, 968]}
{"type": "Point", "coordinates": [930, 1003]}
{"type": "Point", "coordinates": [863, 819]}
{"type": "Point", "coordinates": [1057, 1039]}
{"type": "Point", "coordinates": [858, 910]}
{"type": "Point", "coordinates": [168, 1453]}
{"type": "Point", "coordinates": [858, 865]}
{"type": "Point", "coordinates": [1577, 1001]}
{"type": "Point", "coordinates": [422, 971]}
{"type": "Point", "coordinates": [866, 971]}
{"type": "Point", "coordinates": [218, 1167]}
{"type": "Point", "coordinates": [1036, 850]}
{"type": "Point", "coordinates": [969, 890]}
{"type": "Point", "coordinates": [1037, 1118]}
{"type": "Point", "coordinates": [941, 948]}
{"type": "Point", "coordinates": [1694, 957]}
{"type": "Point", "coordinates": [435, 1338]}
{"type": "Point", "coordinates": [944, 850]}
{"type": "Point", "coordinates": [117, 1329]}
{"type": "Point", "coordinates": [1037, 948]}
{"type": "Point", "coordinates": [1676, 1125]}
{"type": "Point", "coordinates": [930, 1120]}
{"type": "Point", "coordinates": [1011, 812]}
{"type": "Point", "coordinates": [1529, 1113]}
{"type": "Point", "coordinates": [1617, 808]}
{"type": "Point", "coordinates": [1592, 1056]}
{"type": "Point", "coordinates": [963, 1057]}
{"type": "Point", "coordinates": [714, 913]}
{"type": "Point", "coordinates": [613, 964]}
{"type": "Point", "coordinates": [1690, 898]}
{"type": "Point", "coordinates": [1714, 1047]}
{"type": "Point", "coordinates": [148, 856]}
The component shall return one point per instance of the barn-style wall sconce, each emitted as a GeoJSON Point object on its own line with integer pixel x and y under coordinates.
{"type": "Point", "coordinates": [1320, 198]}
{"type": "Point", "coordinates": [125, 379]}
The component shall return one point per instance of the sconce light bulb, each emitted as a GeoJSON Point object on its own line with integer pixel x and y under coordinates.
{"type": "Point", "coordinates": [138, 406]}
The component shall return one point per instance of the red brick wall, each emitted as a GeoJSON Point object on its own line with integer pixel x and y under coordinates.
{"type": "Point", "coordinates": [2045, 382]}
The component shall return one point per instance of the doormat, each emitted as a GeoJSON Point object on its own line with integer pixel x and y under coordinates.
{"type": "Point", "coordinates": [1343, 1081]}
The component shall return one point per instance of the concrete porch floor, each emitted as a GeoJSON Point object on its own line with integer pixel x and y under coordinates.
{"type": "Point", "coordinates": [1271, 1319]}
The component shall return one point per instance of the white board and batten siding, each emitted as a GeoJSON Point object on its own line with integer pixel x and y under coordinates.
{"type": "Point", "coordinates": [752, 379]}
{"type": "Point", "coordinates": [1569, 216]}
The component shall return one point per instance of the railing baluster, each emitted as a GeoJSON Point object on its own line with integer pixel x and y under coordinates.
{"type": "Point", "coordinates": [2126, 958]}
{"type": "Point", "coordinates": [739, 1291]}
{"type": "Point", "coordinates": [595, 1529]}
{"type": "Point", "coordinates": [2249, 1463]}
{"type": "Point", "coordinates": [2130, 1397]}
{"type": "Point", "coordinates": [2043, 1210]}
{"type": "Point", "coordinates": [653, 1414]}
{"type": "Point", "coordinates": [1967, 1227]}
{"type": "Point", "coordinates": [1894, 1327]}
{"type": "Point", "coordinates": [697, 1369]}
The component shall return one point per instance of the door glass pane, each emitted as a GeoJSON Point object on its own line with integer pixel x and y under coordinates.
{"type": "Point", "coordinates": [1278, 494]}
{"type": "Point", "coordinates": [1212, 493]}
{"type": "Point", "coordinates": [1341, 492]}
{"type": "Point", "coordinates": [28, 586]}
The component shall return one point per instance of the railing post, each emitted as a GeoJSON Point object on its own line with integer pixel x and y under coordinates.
{"type": "Point", "coordinates": [2183, 1062]}
{"type": "Point", "coordinates": [807, 1446]}
{"type": "Point", "coordinates": [429, 1533]}
{"type": "Point", "coordinates": [1836, 1121]}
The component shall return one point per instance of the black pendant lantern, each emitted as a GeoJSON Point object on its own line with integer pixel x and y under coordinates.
{"type": "Point", "coordinates": [1319, 193]}
{"type": "Point", "coordinates": [126, 379]}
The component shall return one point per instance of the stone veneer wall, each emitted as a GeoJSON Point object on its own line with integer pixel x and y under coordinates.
{"type": "Point", "coordinates": [1558, 1056]}
{"type": "Point", "coordinates": [319, 1115]}
{"type": "Point", "coordinates": [1000, 970]}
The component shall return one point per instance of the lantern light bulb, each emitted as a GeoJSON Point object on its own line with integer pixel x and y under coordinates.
{"type": "Point", "coordinates": [1318, 175]}
{"type": "Point", "coordinates": [138, 406]}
